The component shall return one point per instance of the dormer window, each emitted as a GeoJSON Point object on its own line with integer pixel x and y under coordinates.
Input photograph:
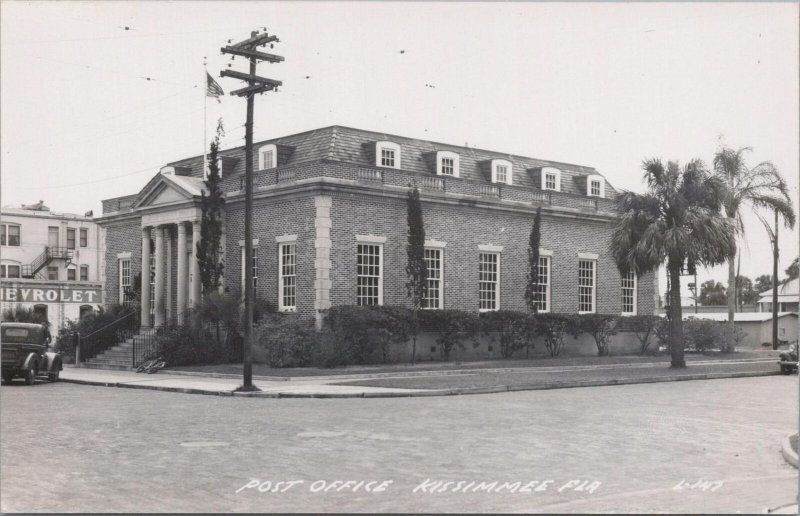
{"type": "Point", "coordinates": [447, 163]}
{"type": "Point", "coordinates": [501, 171]}
{"type": "Point", "coordinates": [595, 186]}
{"type": "Point", "coordinates": [387, 154]}
{"type": "Point", "coordinates": [267, 157]}
{"type": "Point", "coordinates": [551, 179]}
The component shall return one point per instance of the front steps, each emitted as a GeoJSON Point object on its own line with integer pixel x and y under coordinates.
{"type": "Point", "coordinates": [117, 358]}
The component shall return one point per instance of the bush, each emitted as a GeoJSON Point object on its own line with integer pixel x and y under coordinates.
{"type": "Point", "coordinates": [358, 332]}
{"type": "Point", "coordinates": [17, 313]}
{"type": "Point", "coordinates": [288, 339]}
{"type": "Point", "coordinates": [88, 324]}
{"type": "Point", "coordinates": [192, 345]}
{"type": "Point", "coordinates": [644, 326]}
{"type": "Point", "coordinates": [702, 335]}
{"type": "Point", "coordinates": [515, 330]}
{"type": "Point", "coordinates": [600, 327]}
{"type": "Point", "coordinates": [553, 328]}
{"type": "Point", "coordinates": [454, 328]}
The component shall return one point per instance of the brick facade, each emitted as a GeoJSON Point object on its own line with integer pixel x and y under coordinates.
{"type": "Point", "coordinates": [465, 213]}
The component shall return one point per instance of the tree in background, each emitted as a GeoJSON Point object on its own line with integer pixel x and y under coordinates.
{"type": "Point", "coordinates": [416, 268]}
{"type": "Point", "coordinates": [677, 220]}
{"type": "Point", "coordinates": [773, 238]}
{"type": "Point", "coordinates": [212, 206]}
{"type": "Point", "coordinates": [713, 293]}
{"type": "Point", "coordinates": [763, 283]}
{"type": "Point", "coordinates": [747, 188]}
{"type": "Point", "coordinates": [532, 287]}
{"type": "Point", "coordinates": [745, 293]}
{"type": "Point", "coordinates": [793, 271]}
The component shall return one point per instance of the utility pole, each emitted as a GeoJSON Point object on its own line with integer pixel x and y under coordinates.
{"type": "Point", "coordinates": [255, 84]}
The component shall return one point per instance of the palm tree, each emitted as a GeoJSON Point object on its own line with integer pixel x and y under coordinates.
{"type": "Point", "coordinates": [758, 187]}
{"type": "Point", "coordinates": [678, 221]}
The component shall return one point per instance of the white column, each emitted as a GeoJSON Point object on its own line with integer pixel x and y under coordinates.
{"type": "Point", "coordinates": [195, 265]}
{"type": "Point", "coordinates": [145, 297]}
{"type": "Point", "coordinates": [168, 267]}
{"type": "Point", "coordinates": [160, 266]}
{"type": "Point", "coordinates": [182, 271]}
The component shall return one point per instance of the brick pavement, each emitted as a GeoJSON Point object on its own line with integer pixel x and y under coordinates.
{"type": "Point", "coordinates": [99, 449]}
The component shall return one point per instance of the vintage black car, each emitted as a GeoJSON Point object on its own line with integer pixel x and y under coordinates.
{"type": "Point", "coordinates": [788, 360]}
{"type": "Point", "coordinates": [24, 348]}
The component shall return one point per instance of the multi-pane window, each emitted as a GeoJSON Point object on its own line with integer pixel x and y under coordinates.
{"type": "Point", "coordinates": [629, 293]}
{"type": "Point", "coordinates": [52, 273]}
{"type": "Point", "coordinates": [433, 264]}
{"type": "Point", "coordinates": [124, 278]}
{"type": "Point", "coordinates": [541, 290]}
{"type": "Point", "coordinates": [84, 237]}
{"type": "Point", "coordinates": [550, 181]}
{"type": "Point", "coordinates": [448, 166]}
{"type": "Point", "coordinates": [489, 281]}
{"type": "Point", "coordinates": [288, 277]}
{"type": "Point", "coordinates": [10, 271]}
{"type": "Point", "coordinates": [586, 281]}
{"type": "Point", "coordinates": [70, 238]}
{"type": "Point", "coordinates": [368, 275]}
{"type": "Point", "coordinates": [266, 159]}
{"type": "Point", "coordinates": [84, 273]}
{"type": "Point", "coordinates": [254, 265]}
{"type": "Point", "coordinates": [9, 234]}
{"type": "Point", "coordinates": [387, 158]}
{"type": "Point", "coordinates": [71, 274]}
{"type": "Point", "coordinates": [502, 174]}
{"type": "Point", "coordinates": [52, 236]}
{"type": "Point", "coordinates": [595, 188]}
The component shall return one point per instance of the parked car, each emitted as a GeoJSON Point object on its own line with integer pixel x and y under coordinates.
{"type": "Point", "coordinates": [788, 360]}
{"type": "Point", "coordinates": [25, 352]}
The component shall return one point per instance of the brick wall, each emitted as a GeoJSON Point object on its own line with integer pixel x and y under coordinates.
{"type": "Point", "coordinates": [121, 238]}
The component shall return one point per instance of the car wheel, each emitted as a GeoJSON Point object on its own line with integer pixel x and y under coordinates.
{"type": "Point", "coordinates": [53, 377]}
{"type": "Point", "coordinates": [7, 378]}
{"type": "Point", "coordinates": [30, 376]}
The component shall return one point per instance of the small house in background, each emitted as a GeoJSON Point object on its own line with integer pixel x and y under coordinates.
{"type": "Point", "coordinates": [788, 297]}
{"type": "Point", "coordinates": [757, 326]}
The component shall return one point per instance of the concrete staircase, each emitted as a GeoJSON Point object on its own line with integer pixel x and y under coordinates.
{"type": "Point", "coordinates": [117, 358]}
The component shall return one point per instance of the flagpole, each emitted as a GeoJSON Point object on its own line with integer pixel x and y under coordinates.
{"type": "Point", "coordinates": [205, 120]}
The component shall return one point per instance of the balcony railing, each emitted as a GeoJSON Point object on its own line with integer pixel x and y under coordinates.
{"type": "Point", "coordinates": [369, 174]}
{"type": "Point", "coordinates": [543, 197]}
{"type": "Point", "coordinates": [587, 204]}
{"type": "Point", "coordinates": [492, 191]}
{"type": "Point", "coordinates": [286, 174]}
{"type": "Point", "coordinates": [432, 183]}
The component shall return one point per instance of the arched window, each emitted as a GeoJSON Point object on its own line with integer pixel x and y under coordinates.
{"type": "Point", "coordinates": [595, 186]}
{"type": "Point", "coordinates": [551, 179]}
{"type": "Point", "coordinates": [85, 309]}
{"type": "Point", "coordinates": [40, 311]}
{"type": "Point", "coordinates": [501, 171]}
{"type": "Point", "coordinates": [387, 154]}
{"type": "Point", "coordinates": [447, 164]}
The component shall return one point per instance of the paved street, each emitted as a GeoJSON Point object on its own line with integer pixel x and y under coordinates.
{"type": "Point", "coordinates": [68, 447]}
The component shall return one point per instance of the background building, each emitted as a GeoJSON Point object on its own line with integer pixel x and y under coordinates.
{"type": "Point", "coordinates": [788, 297]}
{"type": "Point", "coordinates": [330, 228]}
{"type": "Point", "coordinates": [52, 262]}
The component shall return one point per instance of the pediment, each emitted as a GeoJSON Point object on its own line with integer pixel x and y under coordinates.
{"type": "Point", "coordinates": [166, 189]}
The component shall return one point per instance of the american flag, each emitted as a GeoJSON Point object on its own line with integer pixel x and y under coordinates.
{"type": "Point", "coordinates": [212, 88]}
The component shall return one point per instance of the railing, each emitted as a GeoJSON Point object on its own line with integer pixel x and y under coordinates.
{"type": "Point", "coordinates": [109, 335]}
{"type": "Point", "coordinates": [489, 191]}
{"type": "Point", "coordinates": [587, 203]}
{"type": "Point", "coordinates": [544, 197]}
{"type": "Point", "coordinates": [49, 254]}
{"type": "Point", "coordinates": [369, 174]}
{"type": "Point", "coordinates": [147, 344]}
{"type": "Point", "coordinates": [286, 175]}
{"type": "Point", "coordinates": [431, 183]}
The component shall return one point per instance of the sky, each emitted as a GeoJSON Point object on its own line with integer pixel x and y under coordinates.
{"type": "Point", "coordinates": [95, 97]}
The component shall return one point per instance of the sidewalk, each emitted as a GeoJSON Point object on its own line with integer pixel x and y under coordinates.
{"type": "Point", "coordinates": [424, 383]}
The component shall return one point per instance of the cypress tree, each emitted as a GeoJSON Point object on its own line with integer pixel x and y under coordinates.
{"type": "Point", "coordinates": [533, 262]}
{"type": "Point", "coordinates": [416, 269]}
{"type": "Point", "coordinates": [212, 206]}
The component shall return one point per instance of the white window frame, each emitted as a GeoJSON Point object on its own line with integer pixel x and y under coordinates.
{"type": "Point", "coordinates": [4, 270]}
{"type": "Point", "coordinates": [81, 233]}
{"type": "Point", "coordinates": [555, 172]}
{"type": "Point", "coordinates": [121, 278]}
{"type": "Point", "coordinates": [282, 306]}
{"type": "Point", "coordinates": [496, 164]}
{"type": "Point", "coordinates": [74, 270]}
{"type": "Point", "coordinates": [496, 281]}
{"type": "Point", "coordinates": [546, 256]}
{"type": "Point", "coordinates": [634, 290]}
{"type": "Point", "coordinates": [74, 238]}
{"type": "Point", "coordinates": [254, 265]}
{"type": "Point", "coordinates": [389, 146]}
{"type": "Point", "coordinates": [598, 179]}
{"type": "Point", "coordinates": [379, 246]}
{"type": "Point", "coordinates": [262, 164]}
{"type": "Point", "coordinates": [442, 155]}
{"type": "Point", "coordinates": [439, 280]}
{"type": "Point", "coordinates": [80, 272]}
{"type": "Point", "coordinates": [6, 227]}
{"type": "Point", "coordinates": [593, 286]}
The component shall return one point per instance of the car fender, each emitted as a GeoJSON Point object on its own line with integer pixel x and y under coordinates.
{"type": "Point", "coordinates": [53, 362]}
{"type": "Point", "coordinates": [31, 358]}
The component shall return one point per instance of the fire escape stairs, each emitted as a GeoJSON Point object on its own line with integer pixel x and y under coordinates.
{"type": "Point", "coordinates": [33, 269]}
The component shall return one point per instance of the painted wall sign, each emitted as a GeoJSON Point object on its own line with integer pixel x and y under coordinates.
{"type": "Point", "coordinates": [51, 295]}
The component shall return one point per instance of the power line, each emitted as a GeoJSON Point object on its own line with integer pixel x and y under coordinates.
{"type": "Point", "coordinates": [110, 178]}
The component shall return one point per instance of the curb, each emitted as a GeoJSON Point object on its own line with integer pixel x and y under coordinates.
{"type": "Point", "coordinates": [788, 452]}
{"type": "Point", "coordinates": [449, 392]}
